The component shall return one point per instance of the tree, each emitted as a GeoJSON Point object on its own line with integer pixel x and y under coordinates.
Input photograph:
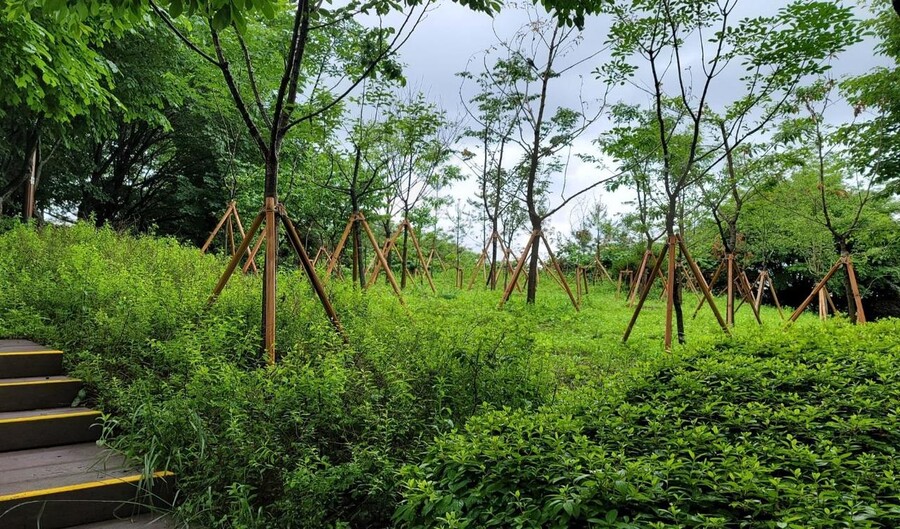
{"type": "Point", "coordinates": [271, 108]}
{"type": "Point", "coordinates": [532, 58]}
{"type": "Point", "coordinates": [53, 72]}
{"type": "Point", "coordinates": [496, 115]}
{"type": "Point", "coordinates": [420, 141]}
{"type": "Point", "coordinates": [770, 55]}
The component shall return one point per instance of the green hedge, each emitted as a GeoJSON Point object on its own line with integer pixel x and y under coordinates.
{"type": "Point", "coordinates": [791, 430]}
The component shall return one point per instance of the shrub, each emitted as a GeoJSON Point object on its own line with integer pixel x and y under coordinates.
{"type": "Point", "coordinates": [780, 430]}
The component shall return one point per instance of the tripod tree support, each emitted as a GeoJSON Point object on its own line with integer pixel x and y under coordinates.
{"type": "Point", "coordinates": [392, 244]}
{"type": "Point", "coordinates": [269, 217]}
{"type": "Point", "coordinates": [735, 278]}
{"type": "Point", "coordinates": [669, 250]}
{"type": "Point", "coordinates": [536, 237]}
{"type": "Point", "coordinates": [598, 267]}
{"type": "Point", "coordinates": [360, 220]}
{"type": "Point", "coordinates": [228, 219]}
{"type": "Point", "coordinates": [765, 280]}
{"type": "Point", "coordinates": [482, 265]}
{"type": "Point", "coordinates": [846, 262]}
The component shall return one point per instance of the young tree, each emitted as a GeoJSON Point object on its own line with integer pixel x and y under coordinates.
{"type": "Point", "coordinates": [541, 52]}
{"type": "Point", "coordinates": [496, 114]}
{"type": "Point", "coordinates": [421, 140]}
{"type": "Point", "coordinates": [769, 56]}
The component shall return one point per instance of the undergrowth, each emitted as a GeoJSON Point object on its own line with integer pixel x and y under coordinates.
{"type": "Point", "coordinates": [336, 435]}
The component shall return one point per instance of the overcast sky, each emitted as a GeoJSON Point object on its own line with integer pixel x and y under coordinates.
{"type": "Point", "coordinates": [453, 38]}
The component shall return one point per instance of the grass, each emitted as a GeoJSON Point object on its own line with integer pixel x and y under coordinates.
{"type": "Point", "coordinates": [320, 439]}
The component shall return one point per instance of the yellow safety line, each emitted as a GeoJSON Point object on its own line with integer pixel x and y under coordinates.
{"type": "Point", "coordinates": [79, 486]}
{"type": "Point", "coordinates": [41, 352]}
{"type": "Point", "coordinates": [48, 417]}
{"type": "Point", "coordinates": [4, 384]}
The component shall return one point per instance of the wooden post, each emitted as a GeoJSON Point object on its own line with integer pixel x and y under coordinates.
{"type": "Point", "coordinates": [562, 277]}
{"type": "Point", "coordinates": [747, 292]}
{"type": "Point", "coordinates": [729, 300]}
{"type": "Point", "coordinates": [711, 284]}
{"type": "Point", "coordinates": [309, 268]}
{"type": "Point", "coordinates": [698, 275]}
{"type": "Point", "coordinates": [235, 259]}
{"type": "Point", "coordinates": [270, 275]}
{"type": "Point", "coordinates": [340, 246]}
{"type": "Point", "coordinates": [518, 270]}
{"type": "Point", "coordinates": [388, 246]}
{"type": "Point", "coordinates": [415, 241]}
{"type": "Point", "coordinates": [252, 257]}
{"type": "Point", "coordinates": [645, 292]}
{"type": "Point", "coordinates": [815, 291]}
{"type": "Point", "coordinates": [240, 225]}
{"type": "Point", "coordinates": [383, 261]}
{"type": "Point", "coordinates": [218, 227]}
{"type": "Point", "coordinates": [638, 281]}
{"type": "Point", "coordinates": [854, 289]}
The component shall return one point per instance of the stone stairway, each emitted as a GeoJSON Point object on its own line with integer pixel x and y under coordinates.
{"type": "Point", "coordinates": [52, 473]}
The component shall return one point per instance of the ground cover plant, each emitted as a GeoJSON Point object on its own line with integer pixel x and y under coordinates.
{"type": "Point", "coordinates": [772, 431]}
{"type": "Point", "coordinates": [450, 412]}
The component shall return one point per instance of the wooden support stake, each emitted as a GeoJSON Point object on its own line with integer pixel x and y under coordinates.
{"type": "Point", "coordinates": [218, 227]}
{"type": "Point", "coordinates": [235, 259]}
{"type": "Point", "coordinates": [270, 275]}
{"type": "Point", "coordinates": [854, 289]}
{"type": "Point", "coordinates": [815, 291]}
{"type": "Point", "coordinates": [309, 268]}
{"type": "Point", "coordinates": [340, 246]}
{"type": "Point", "coordinates": [645, 292]}
{"type": "Point", "coordinates": [383, 261]}
{"type": "Point", "coordinates": [518, 270]}
{"type": "Point", "coordinates": [240, 225]}
{"type": "Point", "coordinates": [698, 275]}
{"type": "Point", "coordinates": [638, 281]}
{"type": "Point", "coordinates": [415, 241]}
{"type": "Point", "coordinates": [712, 283]}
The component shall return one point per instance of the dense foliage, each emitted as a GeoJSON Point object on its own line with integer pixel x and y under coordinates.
{"type": "Point", "coordinates": [315, 441]}
{"type": "Point", "coordinates": [775, 431]}
{"type": "Point", "coordinates": [531, 416]}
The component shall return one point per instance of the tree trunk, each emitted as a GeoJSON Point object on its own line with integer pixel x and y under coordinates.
{"type": "Point", "coordinates": [848, 292]}
{"type": "Point", "coordinates": [492, 277]}
{"type": "Point", "coordinates": [403, 257]}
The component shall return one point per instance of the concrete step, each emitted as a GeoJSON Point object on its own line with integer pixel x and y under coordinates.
{"type": "Point", "coordinates": [58, 487]}
{"type": "Point", "coordinates": [29, 362]}
{"type": "Point", "coordinates": [20, 430]}
{"type": "Point", "coordinates": [30, 393]}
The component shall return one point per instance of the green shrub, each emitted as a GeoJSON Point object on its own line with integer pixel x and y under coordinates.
{"type": "Point", "coordinates": [316, 441]}
{"type": "Point", "coordinates": [780, 430]}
